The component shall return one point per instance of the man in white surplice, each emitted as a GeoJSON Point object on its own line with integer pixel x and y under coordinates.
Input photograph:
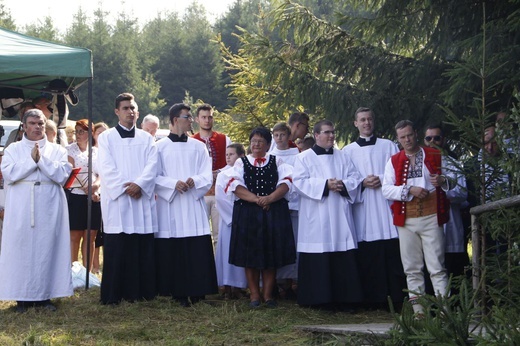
{"type": "Point", "coordinates": [35, 261]}
{"type": "Point", "coordinates": [127, 166]}
{"type": "Point", "coordinates": [328, 184]}
{"type": "Point", "coordinates": [185, 263]}
{"type": "Point", "coordinates": [379, 259]}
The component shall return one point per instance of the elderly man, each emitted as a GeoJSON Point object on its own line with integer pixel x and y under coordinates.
{"type": "Point", "coordinates": [127, 165]}
{"type": "Point", "coordinates": [414, 179]}
{"type": "Point", "coordinates": [328, 184]}
{"type": "Point", "coordinates": [35, 261]}
{"type": "Point", "coordinates": [150, 124]}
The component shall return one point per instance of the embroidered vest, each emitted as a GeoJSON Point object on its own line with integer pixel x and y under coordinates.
{"type": "Point", "coordinates": [217, 147]}
{"type": "Point", "coordinates": [433, 161]}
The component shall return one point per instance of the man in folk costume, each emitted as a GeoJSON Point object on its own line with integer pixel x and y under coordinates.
{"type": "Point", "coordinates": [184, 251]}
{"type": "Point", "coordinates": [328, 184]}
{"type": "Point", "coordinates": [35, 260]}
{"type": "Point", "coordinates": [379, 259]}
{"type": "Point", "coordinates": [216, 144]}
{"type": "Point", "coordinates": [127, 165]}
{"type": "Point", "coordinates": [417, 183]}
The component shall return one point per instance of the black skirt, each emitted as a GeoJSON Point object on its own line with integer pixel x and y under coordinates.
{"type": "Point", "coordinates": [381, 270]}
{"type": "Point", "coordinates": [185, 267]}
{"type": "Point", "coordinates": [261, 239]}
{"type": "Point", "coordinates": [78, 209]}
{"type": "Point", "coordinates": [330, 277]}
{"type": "Point", "coordinates": [128, 268]}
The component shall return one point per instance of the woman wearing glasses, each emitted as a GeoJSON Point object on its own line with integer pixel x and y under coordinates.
{"type": "Point", "coordinates": [78, 199]}
{"type": "Point", "coordinates": [261, 235]}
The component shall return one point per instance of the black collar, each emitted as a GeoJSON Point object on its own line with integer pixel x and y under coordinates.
{"type": "Point", "coordinates": [322, 151]}
{"type": "Point", "coordinates": [125, 133]}
{"type": "Point", "coordinates": [363, 142]}
{"type": "Point", "coordinates": [176, 138]}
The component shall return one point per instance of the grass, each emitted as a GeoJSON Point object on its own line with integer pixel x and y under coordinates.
{"type": "Point", "coordinates": [81, 320]}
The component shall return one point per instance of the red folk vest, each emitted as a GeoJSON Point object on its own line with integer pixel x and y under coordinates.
{"type": "Point", "coordinates": [433, 162]}
{"type": "Point", "coordinates": [217, 143]}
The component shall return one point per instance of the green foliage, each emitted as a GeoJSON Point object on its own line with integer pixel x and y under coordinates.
{"type": "Point", "coordinates": [43, 29]}
{"type": "Point", "coordinates": [446, 320]}
{"type": "Point", "coordinates": [6, 20]}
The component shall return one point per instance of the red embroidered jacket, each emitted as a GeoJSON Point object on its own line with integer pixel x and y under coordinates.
{"type": "Point", "coordinates": [433, 161]}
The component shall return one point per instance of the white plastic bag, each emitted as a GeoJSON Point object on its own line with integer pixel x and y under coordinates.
{"type": "Point", "coordinates": [79, 275]}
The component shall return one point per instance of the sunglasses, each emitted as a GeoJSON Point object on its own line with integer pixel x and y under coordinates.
{"type": "Point", "coordinates": [435, 138]}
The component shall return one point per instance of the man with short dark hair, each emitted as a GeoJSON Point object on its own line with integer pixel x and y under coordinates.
{"type": "Point", "coordinates": [299, 124]}
{"type": "Point", "coordinates": [127, 166]}
{"type": "Point", "coordinates": [328, 184]}
{"type": "Point", "coordinates": [185, 262]}
{"type": "Point", "coordinates": [379, 259]}
{"type": "Point", "coordinates": [416, 181]}
{"type": "Point", "coordinates": [35, 260]}
{"type": "Point", "coordinates": [216, 143]}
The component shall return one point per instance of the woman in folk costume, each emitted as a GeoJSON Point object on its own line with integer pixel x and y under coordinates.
{"type": "Point", "coordinates": [261, 235]}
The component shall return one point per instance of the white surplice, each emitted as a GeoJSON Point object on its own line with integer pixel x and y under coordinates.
{"type": "Point", "coordinates": [373, 218]}
{"type": "Point", "coordinates": [325, 222]}
{"type": "Point", "coordinates": [227, 274]}
{"type": "Point", "coordinates": [35, 261]}
{"type": "Point", "coordinates": [124, 160]}
{"type": "Point", "coordinates": [182, 215]}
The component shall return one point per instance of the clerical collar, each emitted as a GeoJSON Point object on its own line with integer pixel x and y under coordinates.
{"type": "Point", "coordinates": [322, 151]}
{"type": "Point", "coordinates": [176, 138]}
{"type": "Point", "coordinates": [124, 132]}
{"type": "Point", "coordinates": [364, 141]}
{"type": "Point", "coordinates": [41, 142]}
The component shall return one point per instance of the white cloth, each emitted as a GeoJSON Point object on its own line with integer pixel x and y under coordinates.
{"type": "Point", "coordinates": [454, 228]}
{"type": "Point", "coordinates": [227, 274]}
{"type": "Point", "coordinates": [418, 235]}
{"type": "Point", "coordinates": [182, 215]}
{"type": "Point", "coordinates": [371, 160]}
{"type": "Point", "coordinates": [120, 161]}
{"type": "Point", "coordinates": [81, 160]}
{"type": "Point", "coordinates": [35, 260]}
{"type": "Point", "coordinates": [289, 157]}
{"type": "Point", "coordinates": [325, 223]}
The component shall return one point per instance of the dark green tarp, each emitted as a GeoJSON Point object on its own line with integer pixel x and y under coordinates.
{"type": "Point", "coordinates": [29, 63]}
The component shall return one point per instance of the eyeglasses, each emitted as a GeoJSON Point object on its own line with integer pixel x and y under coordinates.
{"type": "Point", "coordinates": [328, 132]}
{"type": "Point", "coordinates": [260, 141]}
{"type": "Point", "coordinates": [435, 138]}
{"type": "Point", "coordinates": [186, 116]}
{"type": "Point", "coordinates": [80, 132]}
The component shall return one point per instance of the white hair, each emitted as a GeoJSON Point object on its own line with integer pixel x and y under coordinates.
{"type": "Point", "coordinates": [150, 118]}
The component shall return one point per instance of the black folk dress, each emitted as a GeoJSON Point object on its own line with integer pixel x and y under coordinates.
{"type": "Point", "coordinates": [261, 239]}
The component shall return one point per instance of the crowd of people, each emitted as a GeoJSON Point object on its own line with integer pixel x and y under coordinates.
{"type": "Point", "coordinates": [291, 216]}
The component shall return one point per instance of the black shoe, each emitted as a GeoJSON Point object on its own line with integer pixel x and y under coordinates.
{"type": "Point", "coordinates": [271, 303]}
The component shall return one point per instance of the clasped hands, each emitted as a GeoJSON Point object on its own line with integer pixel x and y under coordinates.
{"type": "Point", "coordinates": [35, 152]}
{"type": "Point", "coordinates": [182, 186]}
{"type": "Point", "coordinates": [335, 185]}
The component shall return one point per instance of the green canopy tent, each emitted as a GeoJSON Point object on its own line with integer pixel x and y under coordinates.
{"type": "Point", "coordinates": [30, 67]}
